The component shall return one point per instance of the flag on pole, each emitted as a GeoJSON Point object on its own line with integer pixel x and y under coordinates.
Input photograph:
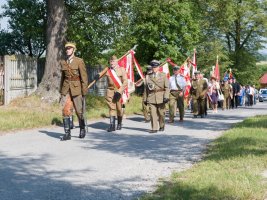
{"type": "Point", "coordinates": [128, 61]}
{"type": "Point", "coordinates": [216, 70]}
{"type": "Point", "coordinates": [165, 68]}
{"type": "Point", "coordinates": [194, 63]}
{"type": "Point", "coordinates": [185, 71]}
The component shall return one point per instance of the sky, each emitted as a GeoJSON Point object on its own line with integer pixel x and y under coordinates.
{"type": "Point", "coordinates": [3, 21]}
{"type": "Point", "coordinates": [3, 25]}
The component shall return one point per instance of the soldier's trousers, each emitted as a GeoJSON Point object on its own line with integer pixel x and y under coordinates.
{"type": "Point", "coordinates": [115, 108]}
{"type": "Point", "coordinates": [72, 101]}
{"type": "Point", "coordinates": [198, 106]}
{"type": "Point", "coordinates": [176, 101]}
{"type": "Point", "coordinates": [226, 102]}
{"type": "Point", "coordinates": [157, 115]}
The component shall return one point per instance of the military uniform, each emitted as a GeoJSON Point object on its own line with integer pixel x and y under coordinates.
{"type": "Point", "coordinates": [177, 85]}
{"type": "Point", "coordinates": [113, 96]}
{"type": "Point", "coordinates": [226, 90]}
{"type": "Point", "coordinates": [198, 92]}
{"type": "Point", "coordinates": [73, 87]}
{"type": "Point", "coordinates": [156, 96]}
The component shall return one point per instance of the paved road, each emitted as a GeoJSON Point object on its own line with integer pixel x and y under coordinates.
{"type": "Point", "coordinates": [34, 164]}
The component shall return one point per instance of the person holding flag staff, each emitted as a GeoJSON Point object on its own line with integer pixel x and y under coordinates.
{"type": "Point", "coordinates": [156, 96]}
{"type": "Point", "coordinates": [177, 85]}
{"type": "Point", "coordinates": [117, 82]}
{"type": "Point", "coordinates": [73, 86]}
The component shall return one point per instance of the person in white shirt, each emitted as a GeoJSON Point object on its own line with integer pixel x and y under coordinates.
{"type": "Point", "coordinates": [177, 85]}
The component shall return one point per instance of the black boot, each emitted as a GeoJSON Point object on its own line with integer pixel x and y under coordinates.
{"type": "Point", "coordinates": [112, 124]}
{"type": "Point", "coordinates": [71, 122]}
{"type": "Point", "coordinates": [119, 122]}
{"type": "Point", "coordinates": [66, 123]}
{"type": "Point", "coordinates": [82, 128]}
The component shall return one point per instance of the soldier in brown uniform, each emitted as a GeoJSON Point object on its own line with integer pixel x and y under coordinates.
{"type": "Point", "coordinates": [226, 90]}
{"type": "Point", "coordinates": [198, 92]}
{"type": "Point", "coordinates": [73, 89]}
{"type": "Point", "coordinates": [156, 95]}
{"type": "Point", "coordinates": [114, 75]}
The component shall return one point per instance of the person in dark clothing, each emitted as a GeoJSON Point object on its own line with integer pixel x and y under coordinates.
{"type": "Point", "coordinates": [236, 93]}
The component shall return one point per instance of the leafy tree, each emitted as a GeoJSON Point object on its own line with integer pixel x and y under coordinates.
{"type": "Point", "coordinates": [95, 26]}
{"type": "Point", "coordinates": [162, 29]}
{"type": "Point", "coordinates": [55, 40]}
{"type": "Point", "coordinates": [27, 21]}
{"type": "Point", "coordinates": [240, 24]}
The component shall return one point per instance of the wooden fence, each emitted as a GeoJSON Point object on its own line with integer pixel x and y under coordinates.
{"type": "Point", "coordinates": [20, 76]}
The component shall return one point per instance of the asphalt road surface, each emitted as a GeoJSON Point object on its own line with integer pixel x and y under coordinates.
{"type": "Point", "coordinates": [35, 164]}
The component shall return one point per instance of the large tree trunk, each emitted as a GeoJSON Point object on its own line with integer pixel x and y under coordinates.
{"type": "Point", "coordinates": [55, 39]}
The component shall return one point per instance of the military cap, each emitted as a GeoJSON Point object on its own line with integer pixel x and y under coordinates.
{"type": "Point", "coordinates": [113, 57]}
{"type": "Point", "coordinates": [148, 67]}
{"type": "Point", "coordinates": [154, 63]}
{"type": "Point", "coordinates": [70, 44]}
{"type": "Point", "coordinates": [176, 67]}
{"type": "Point", "coordinates": [197, 72]}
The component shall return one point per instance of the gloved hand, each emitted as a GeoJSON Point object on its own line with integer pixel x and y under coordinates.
{"type": "Point", "coordinates": [96, 77]}
{"type": "Point", "coordinates": [165, 100]}
{"type": "Point", "coordinates": [116, 96]}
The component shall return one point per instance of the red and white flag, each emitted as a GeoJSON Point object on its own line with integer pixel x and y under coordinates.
{"type": "Point", "coordinates": [165, 68]}
{"type": "Point", "coordinates": [128, 61]}
{"type": "Point", "coordinates": [216, 72]}
{"type": "Point", "coordinates": [185, 70]}
{"type": "Point", "coordinates": [194, 63]}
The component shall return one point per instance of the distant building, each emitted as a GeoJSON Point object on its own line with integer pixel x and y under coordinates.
{"type": "Point", "coordinates": [263, 81]}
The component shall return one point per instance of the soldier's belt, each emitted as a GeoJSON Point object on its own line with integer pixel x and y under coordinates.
{"type": "Point", "coordinates": [74, 78]}
{"type": "Point", "coordinates": [156, 90]}
{"type": "Point", "coordinates": [176, 90]}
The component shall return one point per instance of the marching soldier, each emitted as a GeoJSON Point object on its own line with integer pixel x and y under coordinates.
{"type": "Point", "coordinates": [177, 85]}
{"type": "Point", "coordinates": [198, 92]}
{"type": "Point", "coordinates": [73, 90]}
{"type": "Point", "coordinates": [156, 96]}
{"type": "Point", "coordinates": [226, 90]}
{"type": "Point", "coordinates": [117, 82]}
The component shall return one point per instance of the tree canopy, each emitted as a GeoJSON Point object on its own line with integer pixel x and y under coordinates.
{"type": "Point", "coordinates": [233, 30]}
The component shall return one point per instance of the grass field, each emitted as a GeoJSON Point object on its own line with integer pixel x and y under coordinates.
{"type": "Point", "coordinates": [232, 169]}
{"type": "Point", "coordinates": [31, 112]}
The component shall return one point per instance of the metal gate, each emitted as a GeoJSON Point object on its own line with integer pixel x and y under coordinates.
{"type": "Point", "coordinates": [20, 76]}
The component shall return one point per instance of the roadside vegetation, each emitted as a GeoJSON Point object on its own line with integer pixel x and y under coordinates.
{"type": "Point", "coordinates": [232, 168]}
{"type": "Point", "coordinates": [31, 112]}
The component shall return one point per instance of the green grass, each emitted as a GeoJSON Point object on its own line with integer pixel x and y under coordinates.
{"type": "Point", "coordinates": [232, 168]}
{"type": "Point", "coordinates": [30, 112]}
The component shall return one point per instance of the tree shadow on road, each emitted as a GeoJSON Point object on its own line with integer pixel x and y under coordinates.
{"type": "Point", "coordinates": [26, 177]}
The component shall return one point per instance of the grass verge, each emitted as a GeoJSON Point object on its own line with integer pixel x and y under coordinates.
{"type": "Point", "coordinates": [232, 168]}
{"type": "Point", "coordinates": [31, 112]}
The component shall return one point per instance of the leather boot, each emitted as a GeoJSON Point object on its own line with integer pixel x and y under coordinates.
{"type": "Point", "coordinates": [112, 124]}
{"type": "Point", "coordinates": [119, 122]}
{"type": "Point", "coordinates": [71, 122]}
{"type": "Point", "coordinates": [66, 123]}
{"type": "Point", "coordinates": [82, 128]}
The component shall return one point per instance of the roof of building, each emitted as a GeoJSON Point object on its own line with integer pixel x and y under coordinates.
{"type": "Point", "coordinates": [263, 79]}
